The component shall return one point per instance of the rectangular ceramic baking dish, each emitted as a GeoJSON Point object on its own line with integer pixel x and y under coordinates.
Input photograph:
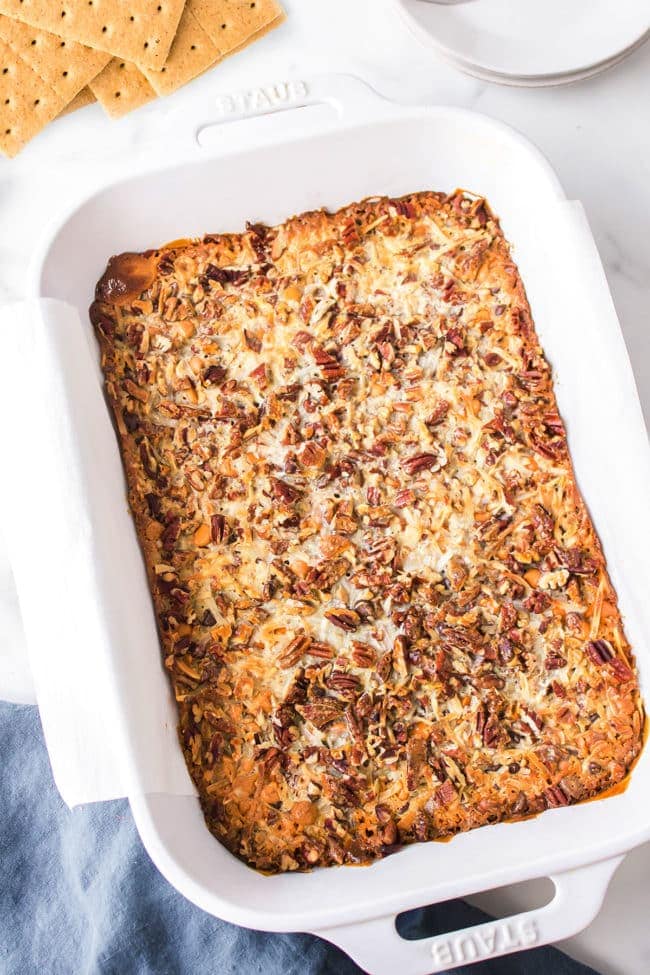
{"type": "Point", "coordinates": [350, 144]}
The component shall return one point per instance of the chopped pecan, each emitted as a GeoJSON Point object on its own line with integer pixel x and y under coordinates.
{"type": "Point", "coordinates": [218, 529]}
{"type": "Point", "coordinates": [416, 760]}
{"type": "Point", "coordinates": [284, 492]}
{"type": "Point", "coordinates": [404, 498]}
{"type": "Point", "coordinates": [572, 787]}
{"type": "Point", "coordinates": [554, 661]}
{"type": "Point", "coordinates": [214, 375]}
{"type": "Point", "coordinates": [420, 462]}
{"type": "Point", "coordinates": [253, 341]}
{"type": "Point", "coordinates": [101, 320]}
{"type": "Point", "coordinates": [552, 447]}
{"type": "Point", "coordinates": [520, 805]}
{"type": "Point", "coordinates": [554, 425]}
{"type": "Point", "coordinates": [384, 667]}
{"type": "Point", "coordinates": [362, 654]}
{"type": "Point", "coordinates": [492, 732]}
{"type": "Point", "coordinates": [345, 525]}
{"type": "Point", "coordinates": [171, 533]}
{"type": "Point", "coordinates": [344, 618]}
{"type": "Point", "coordinates": [457, 636]}
{"type": "Point", "coordinates": [322, 651]}
{"type": "Point", "coordinates": [555, 797]}
{"type": "Point", "coordinates": [325, 575]}
{"type": "Point", "coordinates": [179, 596]}
{"type": "Point", "coordinates": [365, 609]}
{"type": "Point", "coordinates": [382, 813]}
{"type": "Point", "coordinates": [400, 662]}
{"type": "Point", "coordinates": [290, 392]}
{"type": "Point", "coordinates": [445, 793]}
{"type": "Point", "coordinates": [302, 339]}
{"type": "Point", "coordinates": [342, 683]}
{"type": "Point", "coordinates": [599, 651]}
{"type": "Point", "coordinates": [321, 713]}
{"type": "Point", "coordinates": [294, 651]}
{"type": "Point", "coordinates": [374, 496]}
{"type": "Point", "coordinates": [457, 572]}
{"type": "Point", "coordinates": [440, 411]}
{"type": "Point", "coordinates": [621, 670]}
{"type": "Point", "coordinates": [454, 339]}
{"type": "Point", "coordinates": [388, 834]}
{"type": "Point", "coordinates": [153, 504]}
{"type": "Point", "coordinates": [507, 616]}
{"type": "Point", "coordinates": [259, 375]}
{"type": "Point", "coordinates": [405, 208]}
{"type": "Point", "coordinates": [576, 561]}
{"type": "Point", "coordinates": [421, 827]}
{"type": "Point", "coordinates": [312, 455]}
{"type": "Point", "coordinates": [260, 237]}
{"type": "Point", "coordinates": [533, 718]}
{"type": "Point", "coordinates": [537, 602]}
{"type": "Point", "coordinates": [545, 527]}
{"type": "Point", "coordinates": [574, 622]}
{"type": "Point", "coordinates": [227, 275]}
{"type": "Point", "coordinates": [330, 367]}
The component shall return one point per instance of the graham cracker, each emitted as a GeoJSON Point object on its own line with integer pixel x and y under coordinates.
{"type": "Point", "coordinates": [80, 100]}
{"type": "Point", "coordinates": [257, 35]}
{"type": "Point", "coordinates": [121, 87]}
{"type": "Point", "coordinates": [65, 66]}
{"type": "Point", "coordinates": [27, 103]}
{"type": "Point", "coordinates": [133, 30]}
{"type": "Point", "coordinates": [192, 53]}
{"type": "Point", "coordinates": [231, 23]}
{"type": "Point", "coordinates": [52, 70]}
{"type": "Point", "coordinates": [200, 44]}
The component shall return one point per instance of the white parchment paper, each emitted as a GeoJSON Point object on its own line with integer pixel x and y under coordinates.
{"type": "Point", "coordinates": [106, 707]}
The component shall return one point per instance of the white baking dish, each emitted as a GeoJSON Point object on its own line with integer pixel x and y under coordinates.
{"type": "Point", "coordinates": [360, 145]}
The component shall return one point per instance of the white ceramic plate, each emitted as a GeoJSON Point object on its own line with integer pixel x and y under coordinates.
{"type": "Point", "coordinates": [525, 39]}
{"type": "Point", "coordinates": [538, 81]}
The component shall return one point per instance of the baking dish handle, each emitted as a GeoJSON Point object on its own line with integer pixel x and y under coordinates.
{"type": "Point", "coordinates": [352, 101]}
{"type": "Point", "coordinates": [376, 946]}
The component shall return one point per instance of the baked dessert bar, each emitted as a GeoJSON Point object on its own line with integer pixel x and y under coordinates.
{"type": "Point", "coordinates": [381, 600]}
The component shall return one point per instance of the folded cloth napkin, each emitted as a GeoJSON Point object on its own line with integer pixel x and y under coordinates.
{"type": "Point", "coordinates": [79, 894]}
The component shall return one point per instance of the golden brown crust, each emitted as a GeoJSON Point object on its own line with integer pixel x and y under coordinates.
{"type": "Point", "coordinates": [381, 599]}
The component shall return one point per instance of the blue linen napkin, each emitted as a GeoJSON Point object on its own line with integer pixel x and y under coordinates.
{"type": "Point", "coordinates": [80, 896]}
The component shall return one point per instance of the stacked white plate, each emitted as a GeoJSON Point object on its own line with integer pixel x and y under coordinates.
{"type": "Point", "coordinates": [530, 42]}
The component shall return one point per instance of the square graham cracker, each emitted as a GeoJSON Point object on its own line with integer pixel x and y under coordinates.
{"type": "Point", "coordinates": [40, 75]}
{"type": "Point", "coordinates": [207, 33]}
{"type": "Point", "coordinates": [27, 104]}
{"type": "Point", "coordinates": [231, 23]}
{"type": "Point", "coordinates": [121, 88]}
{"type": "Point", "coordinates": [133, 30]}
{"type": "Point", "coordinates": [65, 66]}
{"type": "Point", "coordinates": [258, 35]}
{"type": "Point", "coordinates": [192, 53]}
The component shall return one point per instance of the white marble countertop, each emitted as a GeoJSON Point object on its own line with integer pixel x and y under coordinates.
{"type": "Point", "coordinates": [596, 134]}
